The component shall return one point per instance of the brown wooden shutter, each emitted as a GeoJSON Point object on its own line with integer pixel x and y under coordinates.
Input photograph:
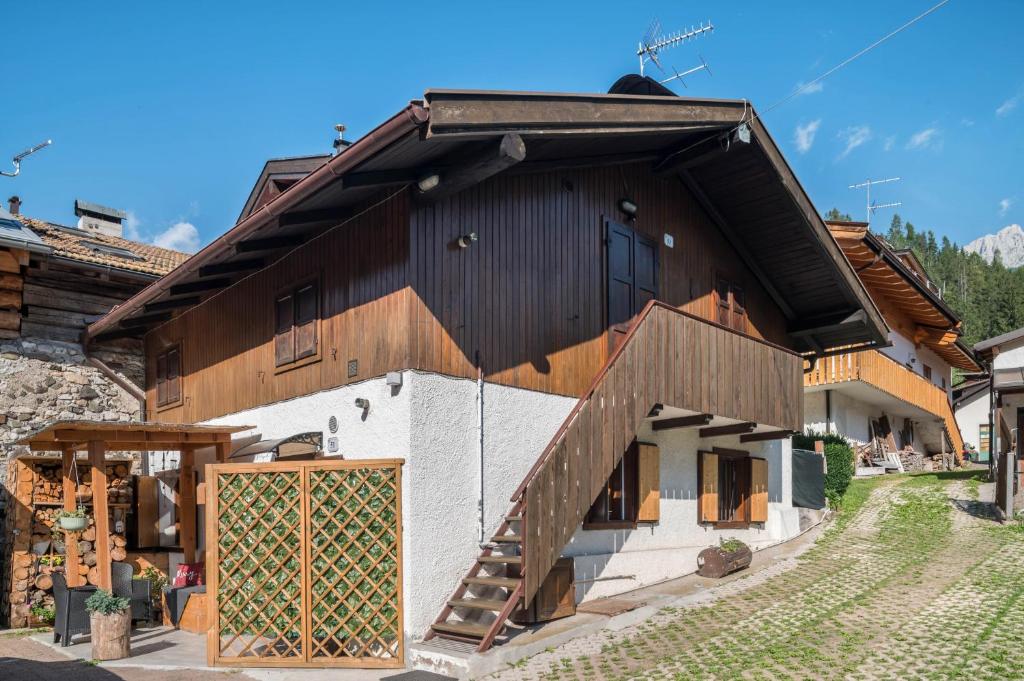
{"type": "Point", "coordinates": [284, 330]}
{"type": "Point", "coordinates": [648, 483]}
{"type": "Point", "coordinates": [161, 379]}
{"type": "Point", "coordinates": [173, 382]}
{"type": "Point", "coordinates": [739, 309]}
{"type": "Point", "coordinates": [722, 300]}
{"type": "Point", "coordinates": [758, 491]}
{"type": "Point", "coordinates": [307, 311]}
{"type": "Point", "coordinates": [707, 500]}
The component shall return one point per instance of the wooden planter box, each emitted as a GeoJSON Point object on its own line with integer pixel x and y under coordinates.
{"type": "Point", "coordinates": [111, 635]}
{"type": "Point", "coordinates": [714, 562]}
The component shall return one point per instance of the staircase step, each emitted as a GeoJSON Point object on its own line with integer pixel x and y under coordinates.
{"type": "Point", "coordinates": [514, 518]}
{"type": "Point", "coordinates": [499, 582]}
{"type": "Point", "coordinates": [503, 560]}
{"type": "Point", "coordinates": [461, 629]}
{"type": "Point", "coordinates": [478, 603]}
{"type": "Point", "coordinates": [507, 539]}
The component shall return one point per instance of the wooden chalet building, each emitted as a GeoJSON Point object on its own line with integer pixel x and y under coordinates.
{"type": "Point", "coordinates": [893, 403]}
{"type": "Point", "coordinates": [581, 320]}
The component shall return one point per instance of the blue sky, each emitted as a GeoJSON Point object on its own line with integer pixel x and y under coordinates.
{"type": "Point", "coordinates": [169, 110]}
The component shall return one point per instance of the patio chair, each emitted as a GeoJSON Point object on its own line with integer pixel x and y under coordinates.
{"type": "Point", "coordinates": [125, 586]}
{"type": "Point", "coordinates": [70, 617]}
{"type": "Point", "coordinates": [176, 597]}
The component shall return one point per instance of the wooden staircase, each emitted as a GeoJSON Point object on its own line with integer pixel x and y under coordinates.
{"type": "Point", "coordinates": [667, 357]}
{"type": "Point", "coordinates": [481, 593]}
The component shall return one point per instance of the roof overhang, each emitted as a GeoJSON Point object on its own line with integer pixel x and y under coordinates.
{"type": "Point", "coordinates": [127, 436]}
{"type": "Point", "coordinates": [747, 189]}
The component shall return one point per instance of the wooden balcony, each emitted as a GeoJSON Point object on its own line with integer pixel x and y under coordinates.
{"type": "Point", "coordinates": [886, 374]}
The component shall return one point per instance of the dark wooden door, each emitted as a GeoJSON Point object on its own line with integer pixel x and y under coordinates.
{"type": "Point", "coordinates": [632, 277]}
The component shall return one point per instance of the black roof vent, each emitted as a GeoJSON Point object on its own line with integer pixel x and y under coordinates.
{"type": "Point", "coordinates": [634, 84]}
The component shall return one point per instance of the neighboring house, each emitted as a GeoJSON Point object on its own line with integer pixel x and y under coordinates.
{"type": "Point", "coordinates": [896, 398]}
{"type": "Point", "coordinates": [471, 287]}
{"type": "Point", "coordinates": [54, 281]}
{"type": "Point", "coordinates": [971, 402]}
{"type": "Point", "coordinates": [1004, 355]}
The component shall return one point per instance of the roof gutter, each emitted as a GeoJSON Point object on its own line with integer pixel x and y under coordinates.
{"type": "Point", "coordinates": [25, 245]}
{"type": "Point", "coordinates": [408, 119]}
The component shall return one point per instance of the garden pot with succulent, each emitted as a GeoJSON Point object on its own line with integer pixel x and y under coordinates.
{"type": "Point", "coordinates": [718, 561]}
{"type": "Point", "coordinates": [73, 521]}
{"type": "Point", "coordinates": [110, 619]}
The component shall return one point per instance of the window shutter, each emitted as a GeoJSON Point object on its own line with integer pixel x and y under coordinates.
{"type": "Point", "coordinates": [284, 329]}
{"type": "Point", "coordinates": [722, 295]}
{"type": "Point", "coordinates": [648, 483]}
{"type": "Point", "coordinates": [739, 309]}
{"type": "Point", "coordinates": [306, 314]}
{"type": "Point", "coordinates": [758, 491]}
{"type": "Point", "coordinates": [173, 382]}
{"type": "Point", "coordinates": [708, 499]}
{"type": "Point", "coordinates": [161, 379]}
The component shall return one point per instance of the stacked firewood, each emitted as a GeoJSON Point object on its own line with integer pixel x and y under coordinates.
{"type": "Point", "coordinates": [49, 484]}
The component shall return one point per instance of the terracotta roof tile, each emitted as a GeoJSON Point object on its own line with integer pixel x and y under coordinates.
{"type": "Point", "coordinates": [77, 244]}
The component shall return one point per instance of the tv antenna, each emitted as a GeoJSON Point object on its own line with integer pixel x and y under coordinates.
{"type": "Point", "coordinates": [870, 207]}
{"type": "Point", "coordinates": [654, 42]}
{"type": "Point", "coordinates": [18, 159]}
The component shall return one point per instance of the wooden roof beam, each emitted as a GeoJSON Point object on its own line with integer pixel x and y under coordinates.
{"type": "Point", "coordinates": [683, 159]}
{"type": "Point", "coordinates": [766, 436]}
{"type": "Point", "coordinates": [310, 217]}
{"type": "Point", "coordinates": [734, 429]}
{"type": "Point", "coordinates": [734, 240]}
{"type": "Point", "coordinates": [827, 323]}
{"type": "Point", "coordinates": [682, 422]}
{"type": "Point", "coordinates": [199, 286]}
{"type": "Point", "coordinates": [510, 151]}
{"type": "Point", "coordinates": [231, 267]}
{"type": "Point", "coordinates": [269, 243]}
{"type": "Point", "coordinates": [145, 320]}
{"type": "Point", "coordinates": [172, 304]}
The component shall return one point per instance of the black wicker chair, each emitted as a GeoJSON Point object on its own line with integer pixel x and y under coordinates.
{"type": "Point", "coordinates": [176, 597]}
{"type": "Point", "coordinates": [142, 601]}
{"type": "Point", "coordinates": [70, 617]}
{"type": "Point", "coordinates": [135, 590]}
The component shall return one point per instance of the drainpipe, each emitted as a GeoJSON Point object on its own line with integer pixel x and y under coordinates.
{"type": "Point", "coordinates": [828, 412]}
{"type": "Point", "coordinates": [480, 441]}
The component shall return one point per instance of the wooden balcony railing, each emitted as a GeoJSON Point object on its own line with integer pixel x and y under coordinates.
{"type": "Point", "coordinates": [888, 375]}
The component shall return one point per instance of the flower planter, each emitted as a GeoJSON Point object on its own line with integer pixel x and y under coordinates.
{"type": "Point", "coordinates": [72, 524]}
{"type": "Point", "coordinates": [111, 635]}
{"type": "Point", "coordinates": [714, 562]}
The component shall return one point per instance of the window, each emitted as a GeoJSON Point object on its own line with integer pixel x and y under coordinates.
{"type": "Point", "coordinates": [632, 493]}
{"type": "Point", "coordinates": [732, 305]}
{"type": "Point", "coordinates": [943, 379]}
{"type": "Point", "coordinates": [107, 249]}
{"type": "Point", "coordinates": [927, 371]}
{"type": "Point", "coordinates": [168, 377]}
{"type": "Point", "coordinates": [733, 488]}
{"type": "Point", "coordinates": [983, 438]}
{"type": "Point", "coordinates": [296, 324]}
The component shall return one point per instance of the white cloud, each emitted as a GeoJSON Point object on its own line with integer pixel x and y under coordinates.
{"type": "Point", "coordinates": [925, 139]}
{"type": "Point", "coordinates": [181, 236]}
{"type": "Point", "coordinates": [967, 122]}
{"type": "Point", "coordinates": [1009, 105]}
{"type": "Point", "coordinates": [804, 135]}
{"type": "Point", "coordinates": [1004, 206]}
{"type": "Point", "coordinates": [812, 88]}
{"type": "Point", "coordinates": [854, 137]}
{"type": "Point", "coordinates": [890, 142]}
{"type": "Point", "coordinates": [131, 226]}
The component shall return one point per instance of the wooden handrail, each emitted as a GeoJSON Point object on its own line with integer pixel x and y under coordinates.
{"type": "Point", "coordinates": [599, 377]}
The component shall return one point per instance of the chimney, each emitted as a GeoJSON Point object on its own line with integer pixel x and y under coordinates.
{"type": "Point", "coordinates": [92, 217]}
{"type": "Point", "coordinates": [14, 205]}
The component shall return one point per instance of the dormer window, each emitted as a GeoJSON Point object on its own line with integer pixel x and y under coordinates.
{"type": "Point", "coordinates": [107, 249]}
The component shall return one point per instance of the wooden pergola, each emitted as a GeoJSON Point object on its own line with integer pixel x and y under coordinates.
{"type": "Point", "coordinates": [98, 438]}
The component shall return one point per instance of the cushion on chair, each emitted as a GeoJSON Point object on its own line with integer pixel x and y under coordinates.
{"type": "Point", "coordinates": [189, 574]}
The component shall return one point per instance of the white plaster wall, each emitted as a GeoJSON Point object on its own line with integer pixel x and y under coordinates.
{"type": "Point", "coordinates": [432, 423]}
{"type": "Point", "coordinates": [971, 415]}
{"type": "Point", "coordinates": [815, 413]}
{"type": "Point", "coordinates": [627, 559]}
{"type": "Point", "coordinates": [1010, 355]}
{"type": "Point", "coordinates": [902, 349]}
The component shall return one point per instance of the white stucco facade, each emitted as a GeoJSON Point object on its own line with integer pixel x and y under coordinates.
{"type": "Point", "coordinates": [917, 357]}
{"type": "Point", "coordinates": [971, 415]}
{"type": "Point", "coordinates": [432, 422]}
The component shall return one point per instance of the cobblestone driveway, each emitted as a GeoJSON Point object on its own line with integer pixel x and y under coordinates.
{"type": "Point", "coordinates": [915, 581]}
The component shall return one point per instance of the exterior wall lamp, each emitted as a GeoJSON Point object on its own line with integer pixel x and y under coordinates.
{"type": "Point", "coordinates": [428, 182]}
{"type": "Point", "coordinates": [466, 240]}
{"type": "Point", "coordinates": [628, 207]}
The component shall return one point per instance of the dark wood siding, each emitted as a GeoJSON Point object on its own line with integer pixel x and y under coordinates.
{"type": "Point", "coordinates": [527, 300]}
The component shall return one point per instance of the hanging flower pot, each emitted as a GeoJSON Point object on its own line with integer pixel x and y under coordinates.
{"type": "Point", "coordinates": [73, 521]}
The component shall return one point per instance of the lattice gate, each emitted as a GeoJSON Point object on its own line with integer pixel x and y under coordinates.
{"type": "Point", "coordinates": [304, 561]}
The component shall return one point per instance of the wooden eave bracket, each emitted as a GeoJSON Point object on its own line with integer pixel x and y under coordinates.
{"type": "Point", "coordinates": [682, 422]}
{"type": "Point", "coordinates": [510, 151]}
{"type": "Point", "coordinates": [732, 429]}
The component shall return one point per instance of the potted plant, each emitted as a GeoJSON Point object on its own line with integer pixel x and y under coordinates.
{"type": "Point", "coordinates": [729, 556]}
{"type": "Point", "coordinates": [41, 616]}
{"type": "Point", "coordinates": [73, 521]}
{"type": "Point", "coordinates": [110, 621]}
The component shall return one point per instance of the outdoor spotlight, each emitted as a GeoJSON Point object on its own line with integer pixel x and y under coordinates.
{"type": "Point", "coordinates": [428, 182]}
{"type": "Point", "coordinates": [629, 207]}
{"type": "Point", "coordinates": [466, 240]}
{"type": "Point", "coordinates": [362, 403]}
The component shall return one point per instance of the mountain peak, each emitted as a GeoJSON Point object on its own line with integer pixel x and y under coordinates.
{"type": "Point", "coordinates": [1009, 241]}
